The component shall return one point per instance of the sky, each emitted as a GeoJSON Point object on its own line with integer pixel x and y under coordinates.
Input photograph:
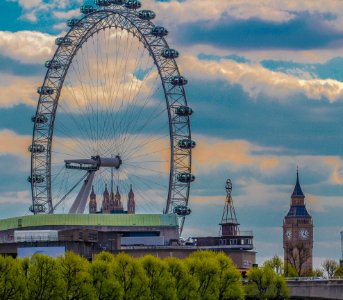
{"type": "Point", "coordinates": [265, 82]}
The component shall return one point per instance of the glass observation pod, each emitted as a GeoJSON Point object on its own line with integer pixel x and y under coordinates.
{"type": "Point", "coordinates": [186, 144]}
{"type": "Point", "coordinates": [133, 4]}
{"type": "Point", "coordinates": [63, 41]}
{"type": "Point", "coordinates": [178, 80]}
{"type": "Point", "coordinates": [45, 90]}
{"type": "Point", "coordinates": [146, 15]}
{"type": "Point", "coordinates": [87, 9]}
{"type": "Point", "coordinates": [52, 64]}
{"type": "Point", "coordinates": [185, 177]}
{"type": "Point", "coordinates": [183, 111]}
{"type": "Point", "coordinates": [182, 210]}
{"type": "Point", "coordinates": [41, 119]}
{"type": "Point", "coordinates": [169, 53]}
{"type": "Point", "coordinates": [159, 31]}
{"type": "Point", "coordinates": [117, 2]}
{"type": "Point", "coordinates": [37, 208]}
{"type": "Point", "coordinates": [36, 148]}
{"type": "Point", "coordinates": [102, 2]}
{"type": "Point", "coordinates": [73, 23]}
{"type": "Point", "coordinates": [35, 178]}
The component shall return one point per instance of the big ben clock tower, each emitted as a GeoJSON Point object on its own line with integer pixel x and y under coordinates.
{"type": "Point", "coordinates": [298, 233]}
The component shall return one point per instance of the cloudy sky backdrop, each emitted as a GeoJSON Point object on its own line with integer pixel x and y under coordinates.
{"type": "Point", "coordinates": [266, 84]}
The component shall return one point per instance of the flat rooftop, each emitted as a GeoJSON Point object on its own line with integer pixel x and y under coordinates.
{"type": "Point", "coordinates": [90, 220]}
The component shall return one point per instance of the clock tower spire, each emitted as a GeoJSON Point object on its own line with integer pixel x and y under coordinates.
{"type": "Point", "coordinates": [298, 233]}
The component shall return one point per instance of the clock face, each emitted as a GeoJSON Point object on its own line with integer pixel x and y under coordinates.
{"type": "Point", "coordinates": [304, 234]}
{"type": "Point", "coordinates": [288, 234]}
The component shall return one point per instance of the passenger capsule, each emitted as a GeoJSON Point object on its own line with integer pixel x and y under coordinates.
{"type": "Point", "coordinates": [182, 210]}
{"type": "Point", "coordinates": [35, 178]}
{"type": "Point", "coordinates": [41, 119]}
{"type": "Point", "coordinates": [169, 53]}
{"type": "Point", "coordinates": [102, 2]}
{"type": "Point", "coordinates": [45, 90]}
{"type": "Point", "coordinates": [63, 41]}
{"type": "Point", "coordinates": [87, 9]}
{"type": "Point", "coordinates": [53, 64]}
{"type": "Point", "coordinates": [185, 177]}
{"type": "Point", "coordinates": [132, 4]}
{"type": "Point", "coordinates": [186, 144]}
{"type": "Point", "coordinates": [36, 148]}
{"type": "Point", "coordinates": [183, 111]}
{"type": "Point", "coordinates": [146, 15]}
{"type": "Point", "coordinates": [159, 31]}
{"type": "Point", "coordinates": [117, 2]}
{"type": "Point", "coordinates": [37, 208]}
{"type": "Point", "coordinates": [73, 23]}
{"type": "Point", "coordinates": [178, 80]}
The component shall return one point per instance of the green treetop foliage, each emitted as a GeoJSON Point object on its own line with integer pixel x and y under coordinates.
{"type": "Point", "coordinates": [159, 280]}
{"type": "Point", "coordinates": [330, 266]}
{"type": "Point", "coordinates": [44, 278]}
{"type": "Point", "coordinates": [106, 286]}
{"type": "Point", "coordinates": [130, 275]}
{"type": "Point", "coordinates": [12, 284]}
{"type": "Point", "coordinates": [185, 285]}
{"type": "Point", "coordinates": [76, 278]}
{"type": "Point", "coordinates": [264, 283]}
{"type": "Point", "coordinates": [203, 266]}
{"type": "Point", "coordinates": [203, 275]}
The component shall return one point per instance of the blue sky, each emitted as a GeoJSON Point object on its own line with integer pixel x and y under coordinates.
{"type": "Point", "coordinates": [265, 84]}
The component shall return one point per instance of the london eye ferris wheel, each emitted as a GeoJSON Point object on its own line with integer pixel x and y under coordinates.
{"type": "Point", "coordinates": [112, 109]}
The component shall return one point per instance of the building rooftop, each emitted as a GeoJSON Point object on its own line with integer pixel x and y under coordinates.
{"type": "Point", "coordinates": [90, 220]}
{"type": "Point", "coordinates": [297, 192]}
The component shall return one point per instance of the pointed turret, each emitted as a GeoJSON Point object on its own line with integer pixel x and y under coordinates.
{"type": "Point", "coordinates": [106, 201]}
{"type": "Point", "coordinates": [298, 207]}
{"type": "Point", "coordinates": [297, 192]}
{"type": "Point", "coordinates": [112, 201]}
{"type": "Point", "coordinates": [117, 200]}
{"type": "Point", "coordinates": [92, 202]}
{"type": "Point", "coordinates": [131, 205]}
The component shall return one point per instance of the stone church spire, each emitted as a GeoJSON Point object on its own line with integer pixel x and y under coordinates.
{"type": "Point", "coordinates": [131, 205]}
{"type": "Point", "coordinates": [106, 201]}
{"type": "Point", "coordinates": [92, 202]}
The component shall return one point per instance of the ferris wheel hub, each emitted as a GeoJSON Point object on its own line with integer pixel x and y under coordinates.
{"type": "Point", "coordinates": [94, 163]}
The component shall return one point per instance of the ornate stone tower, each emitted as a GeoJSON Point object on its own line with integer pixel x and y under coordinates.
{"type": "Point", "coordinates": [106, 201]}
{"type": "Point", "coordinates": [298, 233]}
{"type": "Point", "coordinates": [117, 201]}
{"type": "Point", "coordinates": [92, 202]}
{"type": "Point", "coordinates": [131, 206]}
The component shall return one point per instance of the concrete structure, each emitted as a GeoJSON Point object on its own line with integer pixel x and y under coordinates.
{"type": "Point", "coordinates": [298, 233]}
{"type": "Point", "coordinates": [88, 234]}
{"type": "Point", "coordinates": [306, 288]}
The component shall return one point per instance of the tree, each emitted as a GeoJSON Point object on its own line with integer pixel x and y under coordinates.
{"type": "Point", "coordinates": [264, 283]}
{"type": "Point", "coordinates": [43, 278]}
{"type": "Point", "coordinates": [104, 282]}
{"type": "Point", "coordinates": [184, 284]}
{"type": "Point", "coordinates": [339, 272]}
{"type": "Point", "coordinates": [297, 256]}
{"type": "Point", "coordinates": [130, 276]}
{"type": "Point", "coordinates": [203, 266]}
{"type": "Point", "coordinates": [75, 275]}
{"type": "Point", "coordinates": [276, 264]}
{"type": "Point", "coordinates": [159, 280]}
{"type": "Point", "coordinates": [230, 279]}
{"type": "Point", "coordinates": [12, 285]}
{"type": "Point", "coordinates": [290, 271]}
{"type": "Point", "coordinates": [330, 266]}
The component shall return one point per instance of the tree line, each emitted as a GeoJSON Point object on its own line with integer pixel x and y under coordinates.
{"type": "Point", "coordinates": [202, 275]}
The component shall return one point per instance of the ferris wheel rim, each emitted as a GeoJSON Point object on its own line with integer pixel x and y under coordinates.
{"type": "Point", "coordinates": [98, 16]}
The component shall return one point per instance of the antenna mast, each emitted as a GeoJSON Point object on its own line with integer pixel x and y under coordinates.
{"type": "Point", "coordinates": [229, 223]}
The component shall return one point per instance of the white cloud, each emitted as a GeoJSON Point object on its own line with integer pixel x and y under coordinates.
{"type": "Point", "coordinates": [27, 46]}
{"type": "Point", "coordinates": [257, 80]}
